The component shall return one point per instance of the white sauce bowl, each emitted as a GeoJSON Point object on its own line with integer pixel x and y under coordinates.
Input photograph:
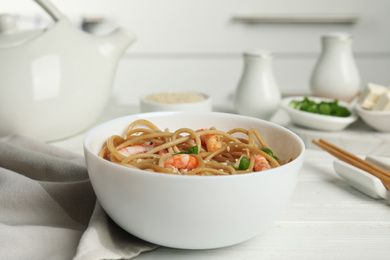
{"type": "Point", "coordinates": [376, 119]}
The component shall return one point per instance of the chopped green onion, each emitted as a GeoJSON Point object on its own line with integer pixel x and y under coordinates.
{"type": "Point", "coordinates": [268, 151]}
{"type": "Point", "coordinates": [331, 108]}
{"type": "Point", "coordinates": [244, 164]}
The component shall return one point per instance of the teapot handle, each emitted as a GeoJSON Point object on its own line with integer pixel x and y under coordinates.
{"type": "Point", "coordinates": [50, 9]}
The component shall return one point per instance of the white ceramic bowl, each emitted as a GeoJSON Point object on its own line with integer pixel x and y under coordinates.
{"type": "Point", "coordinates": [151, 106]}
{"type": "Point", "coordinates": [194, 212]}
{"type": "Point", "coordinates": [378, 120]}
{"type": "Point", "coordinates": [317, 121]}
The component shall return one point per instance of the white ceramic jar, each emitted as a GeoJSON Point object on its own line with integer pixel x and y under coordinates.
{"type": "Point", "coordinates": [257, 94]}
{"type": "Point", "coordinates": [336, 75]}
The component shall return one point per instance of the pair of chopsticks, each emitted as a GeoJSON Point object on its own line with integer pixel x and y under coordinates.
{"type": "Point", "coordinates": [349, 158]}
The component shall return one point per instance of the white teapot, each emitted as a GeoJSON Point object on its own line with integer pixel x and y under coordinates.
{"type": "Point", "coordinates": [55, 82]}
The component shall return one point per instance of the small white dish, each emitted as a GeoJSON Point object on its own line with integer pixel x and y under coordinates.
{"type": "Point", "coordinates": [317, 121]}
{"type": "Point", "coordinates": [378, 120]}
{"type": "Point", "coordinates": [362, 180]}
{"type": "Point", "coordinates": [171, 102]}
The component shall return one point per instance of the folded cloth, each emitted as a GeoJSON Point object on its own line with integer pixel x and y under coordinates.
{"type": "Point", "coordinates": [48, 209]}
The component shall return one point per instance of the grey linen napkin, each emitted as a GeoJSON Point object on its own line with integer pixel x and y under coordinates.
{"type": "Point", "coordinates": [48, 209]}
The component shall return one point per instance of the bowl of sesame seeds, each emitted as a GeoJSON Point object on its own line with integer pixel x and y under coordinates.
{"type": "Point", "coordinates": [175, 101]}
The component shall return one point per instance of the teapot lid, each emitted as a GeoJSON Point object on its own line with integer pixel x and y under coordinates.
{"type": "Point", "coordinates": [10, 36]}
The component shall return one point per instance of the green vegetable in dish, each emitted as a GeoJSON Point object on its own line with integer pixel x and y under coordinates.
{"type": "Point", "coordinates": [244, 164]}
{"type": "Point", "coordinates": [331, 108]}
{"type": "Point", "coordinates": [267, 150]}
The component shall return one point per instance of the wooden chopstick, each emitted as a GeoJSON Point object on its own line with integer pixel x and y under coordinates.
{"type": "Point", "coordinates": [349, 158]}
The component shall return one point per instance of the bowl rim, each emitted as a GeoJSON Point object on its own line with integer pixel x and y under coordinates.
{"type": "Point", "coordinates": [90, 133]}
{"type": "Point", "coordinates": [349, 119]}
{"type": "Point", "coordinates": [362, 111]}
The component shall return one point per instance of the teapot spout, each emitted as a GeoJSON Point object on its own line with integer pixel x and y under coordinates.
{"type": "Point", "coordinates": [120, 39]}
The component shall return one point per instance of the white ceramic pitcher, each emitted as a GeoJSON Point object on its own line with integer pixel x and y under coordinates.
{"type": "Point", "coordinates": [55, 82]}
{"type": "Point", "coordinates": [257, 93]}
{"type": "Point", "coordinates": [336, 75]}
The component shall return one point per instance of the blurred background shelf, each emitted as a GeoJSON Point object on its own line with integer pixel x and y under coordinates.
{"type": "Point", "coordinates": [187, 45]}
{"type": "Point", "coordinates": [297, 18]}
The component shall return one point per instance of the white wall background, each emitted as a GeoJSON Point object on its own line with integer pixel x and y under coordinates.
{"type": "Point", "coordinates": [196, 45]}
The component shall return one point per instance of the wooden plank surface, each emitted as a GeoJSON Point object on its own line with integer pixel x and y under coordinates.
{"type": "Point", "coordinates": [325, 219]}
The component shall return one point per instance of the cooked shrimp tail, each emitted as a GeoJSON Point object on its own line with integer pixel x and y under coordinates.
{"type": "Point", "coordinates": [212, 142]}
{"type": "Point", "coordinates": [181, 161]}
{"type": "Point", "coordinates": [135, 149]}
{"type": "Point", "coordinates": [261, 163]}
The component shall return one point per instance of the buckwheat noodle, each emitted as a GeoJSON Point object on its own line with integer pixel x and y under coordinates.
{"type": "Point", "coordinates": [165, 144]}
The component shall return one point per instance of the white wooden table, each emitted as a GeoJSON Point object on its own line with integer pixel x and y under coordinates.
{"type": "Point", "coordinates": [325, 218]}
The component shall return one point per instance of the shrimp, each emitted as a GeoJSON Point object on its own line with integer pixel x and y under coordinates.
{"type": "Point", "coordinates": [212, 141]}
{"type": "Point", "coordinates": [135, 149]}
{"type": "Point", "coordinates": [261, 163]}
{"type": "Point", "coordinates": [181, 161]}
